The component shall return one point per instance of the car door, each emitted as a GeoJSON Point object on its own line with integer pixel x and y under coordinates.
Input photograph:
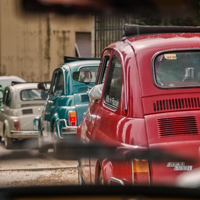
{"type": "Point", "coordinates": [89, 119]}
{"type": "Point", "coordinates": [57, 86]}
{"type": "Point", "coordinates": [110, 114]}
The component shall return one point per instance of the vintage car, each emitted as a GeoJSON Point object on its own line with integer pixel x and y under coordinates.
{"type": "Point", "coordinates": [154, 105]}
{"type": "Point", "coordinates": [21, 103]}
{"type": "Point", "coordinates": [67, 101]}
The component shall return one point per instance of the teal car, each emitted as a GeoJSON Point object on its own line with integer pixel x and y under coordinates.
{"type": "Point", "coordinates": [67, 101]}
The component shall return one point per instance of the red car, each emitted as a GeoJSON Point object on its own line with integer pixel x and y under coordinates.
{"type": "Point", "coordinates": [151, 100]}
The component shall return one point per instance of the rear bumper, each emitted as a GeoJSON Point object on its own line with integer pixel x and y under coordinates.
{"type": "Point", "coordinates": [24, 134]}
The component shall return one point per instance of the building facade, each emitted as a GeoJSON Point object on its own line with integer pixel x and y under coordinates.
{"type": "Point", "coordinates": [33, 45]}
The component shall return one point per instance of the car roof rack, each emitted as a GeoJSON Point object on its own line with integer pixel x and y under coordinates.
{"type": "Point", "coordinates": [70, 59]}
{"type": "Point", "coordinates": [131, 30]}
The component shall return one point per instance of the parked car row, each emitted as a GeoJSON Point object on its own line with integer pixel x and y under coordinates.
{"type": "Point", "coordinates": [49, 112]}
{"type": "Point", "coordinates": [150, 85]}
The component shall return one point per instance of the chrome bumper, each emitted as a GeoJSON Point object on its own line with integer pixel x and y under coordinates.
{"type": "Point", "coordinates": [67, 130]}
{"type": "Point", "coordinates": [24, 134]}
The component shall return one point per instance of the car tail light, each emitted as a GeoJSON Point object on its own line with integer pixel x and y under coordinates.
{"type": "Point", "coordinates": [16, 125]}
{"type": "Point", "coordinates": [140, 172]}
{"type": "Point", "coordinates": [72, 118]}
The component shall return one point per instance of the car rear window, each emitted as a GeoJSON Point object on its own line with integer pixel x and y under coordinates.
{"type": "Point", "coordinates": [33, 94]}
{"type": "Point", "coordinates": [177, 69]}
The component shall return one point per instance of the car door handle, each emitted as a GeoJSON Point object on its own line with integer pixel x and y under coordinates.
{"type": "Point", "coordinates": [2, 109]}
{"type": "Point", "coordinates": [49, 101]}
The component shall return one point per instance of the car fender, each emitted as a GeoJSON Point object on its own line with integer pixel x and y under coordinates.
{"type": "Point", "coordinates": [54, 119]}
{"type": "Point", "coordinates": [7, 128]}
{"type": "Point", "coordinates": [107, 170]}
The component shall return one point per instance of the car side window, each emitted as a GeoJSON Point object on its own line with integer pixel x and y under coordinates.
{"type": "Point", "coordinates": [112, 92]}
{"type": "Point", "coordinates": [5, 95]}
{"type": "Point", "coordinates": [103, 69]}
{"type": "Point", "coordinates": [59, 84]}
{"type": "Point", "coordinates": [8, 99]}
{"type": "Point", "coordinates": [53, 83]}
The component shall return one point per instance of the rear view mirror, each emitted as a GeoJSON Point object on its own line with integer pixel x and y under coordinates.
{"type": "Point", "coordinates": [41, 86]}
{"type": "Point", "coordinates": [82, 76]}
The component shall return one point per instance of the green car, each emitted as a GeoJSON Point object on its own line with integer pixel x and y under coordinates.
{"type": "Point", "coordinates": [67, 101]}
{"type": "Point", "coordinates": [1, 94]}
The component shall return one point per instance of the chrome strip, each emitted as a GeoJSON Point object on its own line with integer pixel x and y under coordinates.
{"type": "Point", "coordinates": [116, 180]}
{"type": "Point", "coordinates": [125, 82]}
{"type": "Point", "coordinates": [25, 132]}
{"type": "Point", "coordinates": [132, 171]}
{"type": "Point", "coordinates": [66, 126]}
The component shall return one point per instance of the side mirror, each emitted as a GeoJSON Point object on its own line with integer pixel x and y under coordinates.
{"type": "Point", "coordinates": [82, 76]}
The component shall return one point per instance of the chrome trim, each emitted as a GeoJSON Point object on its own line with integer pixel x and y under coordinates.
{"type": "Point", "coordinates": [66, 126]}
{"type": "Point", "coordinates": [116, 180]}
{"type": "Point", "coordinates": [132, 171]}
{"type": "Point", "coordinates": [25, 132]}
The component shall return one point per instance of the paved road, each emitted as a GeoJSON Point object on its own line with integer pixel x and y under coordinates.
{"type": "Point", "coordinates": [42, 170]}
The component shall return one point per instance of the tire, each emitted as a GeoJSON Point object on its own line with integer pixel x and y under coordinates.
{"type": "Point", "coordinates": [54, 139]}
{"type": "Point", "coordinates": [80, 178]}
{"type": "Point", "coordinates": [100, 180]}
{"type": "Point", "coordinates": [0, 138]}
{"type": "Point", "coordinates": [8, 142]}
{"type": "Point", "coordinates": [41, 147]}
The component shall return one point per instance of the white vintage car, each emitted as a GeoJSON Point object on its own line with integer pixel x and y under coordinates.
{"type": "Point", "coordinates": [21, 103]}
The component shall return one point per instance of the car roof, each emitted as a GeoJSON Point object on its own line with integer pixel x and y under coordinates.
{"type": "Point", "coordinates": [77, 64]}
{"type": "Point", "coordinates": [21, 86]}
{"type": "Point", "coordinates": [165, 41]}
{"type": "Point", "coordinates": [7, 80]}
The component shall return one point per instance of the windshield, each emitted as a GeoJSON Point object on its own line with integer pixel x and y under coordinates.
{"type": "Point", "coordinates": [177, 69]}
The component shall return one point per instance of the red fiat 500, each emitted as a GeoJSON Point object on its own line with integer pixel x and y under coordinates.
{"type": "Point", "coordinates": [150, 99]}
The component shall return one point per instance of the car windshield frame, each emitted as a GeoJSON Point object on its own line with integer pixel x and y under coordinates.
{"type": "Point", "coordinates": [186, 75]}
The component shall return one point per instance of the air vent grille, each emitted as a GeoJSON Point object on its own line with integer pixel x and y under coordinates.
{"type": "Point", "coordinates": [27, 111]}
{"type": "Point", "coordinates": [174, 104]}
{"type": "Point", "coordinates": [177, 126]}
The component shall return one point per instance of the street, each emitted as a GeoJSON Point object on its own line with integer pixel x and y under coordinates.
{"type": "Point", "coordinates": [43, 170]}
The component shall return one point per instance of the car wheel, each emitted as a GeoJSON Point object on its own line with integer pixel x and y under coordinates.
{"type": "Point", "coordinates": [41, 147]}
{"type": "Point", "coordinates": [101, 181]}
{"type": "Point", "coordinates": [80, 178]}
{"type": "Point", "coordinates": [54, 139]}
{"type": "Point", "coordinates": [0, 138]}
{"type": "Point", "coordinates": [8, 142]}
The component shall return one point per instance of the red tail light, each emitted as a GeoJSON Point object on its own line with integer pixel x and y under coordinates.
{"type": "Point", "coordinates": [16, 125]}
{"type": "Point", "coordinates": [140, 172]}
{"type": "Point", "coordinates": [72, 118]}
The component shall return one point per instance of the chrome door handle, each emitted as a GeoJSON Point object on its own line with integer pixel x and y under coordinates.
{"type": "Point", "coordinates": [49, 101]}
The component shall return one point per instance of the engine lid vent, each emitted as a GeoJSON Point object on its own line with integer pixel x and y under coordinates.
{"type": "Point", "coordinates": [27, 111]}
{"type": "Point", "coordinates": [174, 104]}
{"type": "Point", "coordinates": [177, 126]}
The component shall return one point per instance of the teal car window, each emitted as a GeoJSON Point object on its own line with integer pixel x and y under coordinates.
{"type": "Point", "coordinates": [82, 87]}
{"type": "Point", "coordinates": [59, 84]}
